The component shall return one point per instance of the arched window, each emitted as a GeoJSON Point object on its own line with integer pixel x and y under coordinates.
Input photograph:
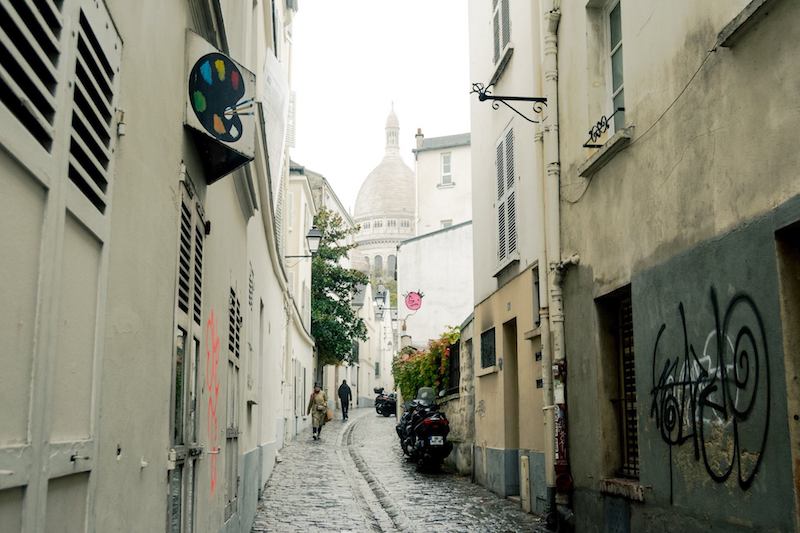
{"type": "Point", "coordinates": [378, 264]}
{"type": "Point", "coordinates": [392, 265]}
{"type": "Point", "coordinates": [367, 260]}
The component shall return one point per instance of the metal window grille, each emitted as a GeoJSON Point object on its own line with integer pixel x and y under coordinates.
{"type": "Point", "coordinates": [454, 368]}
{"type": "Point", "coordinates": [488, 356]}
{"type": "Point", "coordinates": [629, 422]}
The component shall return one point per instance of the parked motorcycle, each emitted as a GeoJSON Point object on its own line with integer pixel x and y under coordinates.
{"type": "Point", "coordinates": [385, 404]}
{"type": "Point", "coordinates": [423, 430]}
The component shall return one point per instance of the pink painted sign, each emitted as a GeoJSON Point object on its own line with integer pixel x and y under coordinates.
{"type": "Point", "coordinates": [414, 300]}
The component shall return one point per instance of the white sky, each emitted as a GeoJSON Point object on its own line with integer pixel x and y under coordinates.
{"type": "Point", "coordinates": [352, 58]}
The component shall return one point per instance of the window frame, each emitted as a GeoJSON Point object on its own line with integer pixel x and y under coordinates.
{"type": "Point", "coordinates": [485, 361]}
{"type": "Point", "coordinates": [501, 40]}
{"type": "Point", "coordinates": [618, 122]}
{"type": "Point", "coordinates": [501, 203]}
{"type": "Point", "coordinates": [446, 178]}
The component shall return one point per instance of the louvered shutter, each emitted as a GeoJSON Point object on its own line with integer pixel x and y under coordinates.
{"type": "Point", "coordinates": [190, 258]}
{"type": "Point", "coordinates": [500, 173]}
{"type": "Point", "coordinates": [92, 114]}
{"type": "Point", "coordinates": [496, 35]}
{"type": "Point", "coordinates": [30, 49]}
{"type": "Point", "coordinates": [506, 23]}
{"type": "Point", "coordinates": [511, 228]}
{"type": "Point", "coordinates": [506, 197]}
{"type": "Point", "coordinates": [501, 232]}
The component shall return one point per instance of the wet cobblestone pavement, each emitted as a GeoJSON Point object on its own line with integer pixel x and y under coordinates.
{"type": "Point", "coordinates": [356, 480]}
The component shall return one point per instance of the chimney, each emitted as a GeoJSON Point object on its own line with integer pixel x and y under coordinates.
{"type": "Point", "coordinates": [419, 136]}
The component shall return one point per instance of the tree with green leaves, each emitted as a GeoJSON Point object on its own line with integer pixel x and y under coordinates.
{"type": "Point", "coordinates": [334, 322]}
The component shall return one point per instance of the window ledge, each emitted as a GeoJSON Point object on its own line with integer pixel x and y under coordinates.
{"type": "Point", "coordinates": [446, 185]}
{"type": "Point", "coordinates": [629, 489]}
{"type": "Point", "coordinates": [507, 262]}
{"type": "Point", "coordinates": [532, 334]}
{"type": "Point", "coordinates": [505, 57]}
{"type": "Point", "coordinates": [605, 153]}
{"type": "Point", "coordinates": [494, 369]}
{"type": "Point", "coordinates": [744, 22]}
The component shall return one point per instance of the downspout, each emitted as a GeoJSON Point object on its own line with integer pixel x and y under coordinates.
{"type": "Point", "coordinates": [554, 369]}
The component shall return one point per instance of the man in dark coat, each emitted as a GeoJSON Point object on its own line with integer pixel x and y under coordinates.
{"type": "Point", "coordinates": [345, 396]}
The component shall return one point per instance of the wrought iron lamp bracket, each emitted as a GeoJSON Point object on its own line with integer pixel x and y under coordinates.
{"type": "Point", "coordinates": [484, 93]}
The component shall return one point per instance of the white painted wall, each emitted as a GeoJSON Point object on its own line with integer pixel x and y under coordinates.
{"type": "Point", "coordinates": [440, 265]}
{"type": "Point", "coordinates": [437, 202]}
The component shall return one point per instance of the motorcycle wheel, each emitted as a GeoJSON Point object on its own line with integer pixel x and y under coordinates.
{"type": "Point", "coordinates": [386, 413]}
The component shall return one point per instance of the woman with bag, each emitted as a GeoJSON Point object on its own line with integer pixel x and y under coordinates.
{"type": "Point", "coordinates": [318, 409]}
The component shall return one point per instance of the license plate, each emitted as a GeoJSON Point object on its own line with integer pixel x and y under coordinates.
{"type": "Point", "coordinates": [437, 441]}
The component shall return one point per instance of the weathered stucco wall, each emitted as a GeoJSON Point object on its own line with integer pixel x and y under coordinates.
{"type": "Point", "coordinates": [687, 208]}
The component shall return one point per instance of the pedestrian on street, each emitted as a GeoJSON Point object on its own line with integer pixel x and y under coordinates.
{"type": "Point", "coordinates": [318, 409]}
{"type": "Point", "coordinates": [345, 396]}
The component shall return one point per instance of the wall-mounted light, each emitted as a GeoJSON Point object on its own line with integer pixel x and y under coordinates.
{"type": "Point", "coordinates": [313, 239]}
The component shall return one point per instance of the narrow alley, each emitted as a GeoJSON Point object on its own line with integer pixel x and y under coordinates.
{"type": "Point", "coordinates": [355, 479]}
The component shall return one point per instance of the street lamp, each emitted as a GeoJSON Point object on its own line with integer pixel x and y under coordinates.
{"type": "Point", "coordinates": [313, 239]}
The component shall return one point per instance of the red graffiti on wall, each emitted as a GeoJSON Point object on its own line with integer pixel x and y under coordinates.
{"type": "Point", "coordinates": [212, 388]}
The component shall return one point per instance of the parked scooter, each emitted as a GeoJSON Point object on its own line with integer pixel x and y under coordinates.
{"type": "Point", "coordinates": [423, 430]}
{"type": "Point", "coordinates": [385, 404]}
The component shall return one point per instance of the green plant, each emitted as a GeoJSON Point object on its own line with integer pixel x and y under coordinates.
{"type": "Point", "coordinates": [413, 369]}
{"type": "Point", "coordinates": [334, 323]}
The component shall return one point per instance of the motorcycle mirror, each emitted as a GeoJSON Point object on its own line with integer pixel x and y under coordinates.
{"type": "Point", "coordinates": [441, 394]}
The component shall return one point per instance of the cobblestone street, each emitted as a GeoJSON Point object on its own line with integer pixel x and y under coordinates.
{"type": "Point", "coordinates": [356, 479]}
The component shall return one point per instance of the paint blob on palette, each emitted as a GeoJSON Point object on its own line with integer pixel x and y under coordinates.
{"type": "Point", "coordinates": [216, 92]}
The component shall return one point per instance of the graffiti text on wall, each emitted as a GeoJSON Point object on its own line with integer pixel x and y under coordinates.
{"type": "Point", "coordinates": [719, 401]}
{"type": "Point", "coordinates": [212, 388]}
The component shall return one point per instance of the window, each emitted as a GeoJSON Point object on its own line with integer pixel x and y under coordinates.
{"type": "Point", "coordinates": [501, 22]}
{"type": "Point", "coordinates": [615, 65]}
{"type": "Point", "coordinates": [378, 264]}
{"type": "Point", "coordinates": [377, 370]}
{"type": "Point", "coordinates": [447, 173]}
{"type": "Point", "coordinates": [392, 265]}
{"type": "Point", "coordinates": [488, 356]}
{"type": "Point", "coordinates": [378, 224]}
{"type": "Point", "coordinates": [405, 223]}
{"type": "Point", "coordinates": [366, 225]}
{"type": "Point", "coordinates": [447, 223]}
{"type": "Point", "coordinates": [391, 223]}
{"type": "Point", "coordinates": [506, 197]}
{"type": "Point", "coordinates": [616, 318]}
{"type": "Point", "coordinates": [454, 369]}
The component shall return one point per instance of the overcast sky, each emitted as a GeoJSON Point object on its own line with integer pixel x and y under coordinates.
{"type": "Point", "coordinates": [352, 58]}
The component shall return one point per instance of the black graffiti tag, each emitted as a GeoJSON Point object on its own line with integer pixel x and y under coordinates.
{"type": "Point", "coordinates": [719, 402]}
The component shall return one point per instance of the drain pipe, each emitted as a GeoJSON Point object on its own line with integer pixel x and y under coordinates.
{"type": "Point", "coordinates": [555, 369]}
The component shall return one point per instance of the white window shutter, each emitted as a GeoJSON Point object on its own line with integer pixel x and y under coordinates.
{"type": "Point", "coordinates": [510, 160]}
{"type": "Point", "coordinates": [500, 173]}
{"type": "Point", "coordinates": [506, 23]}
{"type": "Point", "coordinates": [497, 36]}
{"type": "Point", "coordinates": [511, 228]}
{"type": "Point", "coordinates": [501, 232]}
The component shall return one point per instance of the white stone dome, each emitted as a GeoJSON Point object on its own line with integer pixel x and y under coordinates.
{"type": "Point", "coordinates": [389, 188]}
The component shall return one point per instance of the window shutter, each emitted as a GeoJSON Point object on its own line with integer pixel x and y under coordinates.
{"type": "Point", "coordinates": [199, 236]}
{"type": "Point", "coordinates": [92, 111]}
{"type": "Point", "coordinates": [29, 55]}
{"type": "Point", "coordinates": [512, 223]}
{"type": "Point", "coordinates": [500, 174]}
{"type": "Point", "coordinates": [185, 257]}
{"type": "Point", "coordinates": [501, 231]}
{"type": "Point", "coordinates": [496, 23]}
{"type": "Point", "coordinates": [509, 160]}
{"type": "Point", "coordinates": [504, 10]}
{"type": "Point", "coordinates": [234, 324]}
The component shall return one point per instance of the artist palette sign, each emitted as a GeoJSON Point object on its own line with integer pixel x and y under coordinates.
{"type": "Point", "coordinates": [220, 108]}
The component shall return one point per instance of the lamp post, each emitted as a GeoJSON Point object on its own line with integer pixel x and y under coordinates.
{"type": "Point", "coordinates": [313, 238]}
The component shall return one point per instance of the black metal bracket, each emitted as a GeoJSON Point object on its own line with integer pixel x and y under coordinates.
{"type": "Point", "coordinates": [600, 128]}
{"type": "Point", "coordinates": [484, 93]}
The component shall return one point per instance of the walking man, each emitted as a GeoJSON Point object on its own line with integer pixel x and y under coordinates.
{"type": "Point", "coordinates": [345, 396]}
